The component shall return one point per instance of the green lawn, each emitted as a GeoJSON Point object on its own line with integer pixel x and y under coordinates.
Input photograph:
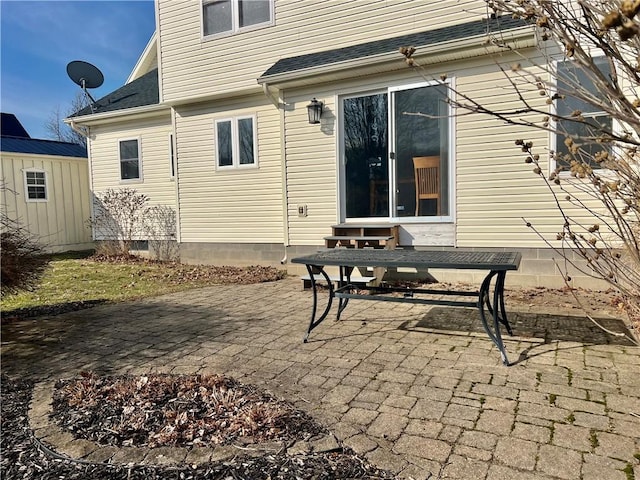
{"type": "Point", "coordinates": [75, 277]}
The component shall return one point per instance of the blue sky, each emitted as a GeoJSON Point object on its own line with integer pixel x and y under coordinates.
{"type": "Point", "coordinates": [39, 38]}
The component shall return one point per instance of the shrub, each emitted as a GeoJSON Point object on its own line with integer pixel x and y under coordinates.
{"type": "Point", "coordinates": [22, 257]}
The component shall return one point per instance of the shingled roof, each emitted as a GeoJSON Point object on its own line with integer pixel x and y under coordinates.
{"type": "Point", "coordinates": [141, 92]}
{"type": "Point", "coordinates": [388, 45]}
{"type": "Point", "coordinates": [41, 147]}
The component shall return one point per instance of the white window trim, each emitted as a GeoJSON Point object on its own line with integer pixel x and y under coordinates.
{"type": "Point", "coordinates": [235, 143]}
{"type": "Point", "coordinates": [26, 186]}
{"type": "Point", "coordinates": [553, 135]}
{"type": "Point", "coordinates": [235, 28]}
{"type": "Point", "coordinates": [140, 178]}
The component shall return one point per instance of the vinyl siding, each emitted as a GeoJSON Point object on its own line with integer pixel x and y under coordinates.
{"type": "Point", "coordinates": [60, 222]}
{"type": "Point", "coordinates": [153, 137]}
{"type": "Point", "coordinates": [242, 205]}
{"type": "Point", "coordinates": [495, 189]}
{"type": "Point", "coordinates": [301, 26]}
{"type": "Point", "coordinates": [312, 178]}
{"type": "Point", "coordinates": [497, 192]}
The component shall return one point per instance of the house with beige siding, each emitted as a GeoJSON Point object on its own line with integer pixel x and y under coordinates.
{"type": "Point", "coordinates": [214, 122]}
{"type": "Point", "coordinates": [45, 188]}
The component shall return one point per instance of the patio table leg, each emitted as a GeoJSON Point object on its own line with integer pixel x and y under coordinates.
{"type": "Point", "coordinates": [313, 269]}
{"type": "Point", "coordinates": [345, 279]}
{"type": "Point", "coordinates": [498, 316]}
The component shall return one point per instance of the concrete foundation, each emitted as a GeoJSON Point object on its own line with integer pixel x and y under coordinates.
{"type": "Point", "coordinates": [539, 267]}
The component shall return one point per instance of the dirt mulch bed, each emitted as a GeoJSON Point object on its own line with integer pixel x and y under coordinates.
{"type": "Point", "coordinates": [21, 457]}
{"type": "Point", "coordinates": [175, 411]}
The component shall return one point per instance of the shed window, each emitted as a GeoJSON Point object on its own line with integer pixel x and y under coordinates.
{"type": "Point", "coordinates": [235, 142]}
{"type": "Point", "coordinates": [230, 16]}
{"type": "Point", "coordinates": [130, 160]}
{"type": "Point", "coordinates": [36, 185]}
{"type": "Point", "coordinates": [572, 79]}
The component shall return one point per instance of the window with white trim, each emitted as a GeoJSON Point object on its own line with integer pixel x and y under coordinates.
{"type": "Point", "coordinates": [235, 142]}
{"type": "Point", "coordinates": [36, 185]}
{"type": "Point", "coordinates": [232, 16]}
{"type": "Point", "coordinates": [571, 82]}
{"type": "Point", "coordinates": [130, 164]}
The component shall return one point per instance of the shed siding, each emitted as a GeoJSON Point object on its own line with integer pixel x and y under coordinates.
{"type": "Point", "coordinates": [241, 205]}
{"type": "Point", "coordinates": [153, 135]}
{"type": "Point", "coordinates": [60, 222]}
{"type": "Point", "coordinates": [301, 26]}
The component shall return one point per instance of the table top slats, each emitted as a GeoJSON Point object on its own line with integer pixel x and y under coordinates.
{"type": "Point", "coordinates": [456, 259]}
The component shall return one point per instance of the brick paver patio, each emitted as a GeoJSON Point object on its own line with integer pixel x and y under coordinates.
{"type": "Point", "coordinates": [420, 391]}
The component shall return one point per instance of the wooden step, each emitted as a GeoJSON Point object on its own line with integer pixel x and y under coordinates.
{"type": "Point", "coordinates": [363, 235]}
{"type": "Point", "coordinates": [369, 241]}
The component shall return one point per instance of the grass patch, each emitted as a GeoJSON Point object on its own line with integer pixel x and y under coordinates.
{"type": "Point", "coordinates": [78, 278]}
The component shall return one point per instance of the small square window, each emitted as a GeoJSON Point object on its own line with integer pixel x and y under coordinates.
{"type": "Point", "coordinates": [36, 185]}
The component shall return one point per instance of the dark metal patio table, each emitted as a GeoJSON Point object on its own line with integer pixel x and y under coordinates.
{"type": "Point", "coordinates": [497, 264]}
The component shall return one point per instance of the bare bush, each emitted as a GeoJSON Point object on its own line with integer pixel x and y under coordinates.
{"type": "Point", "coordinates": [582, 86]}
{"type": "Point", "coordinates": [21, 255]}
{"type": "Point", "coordinates": [160, 230]}
{"type": "Point", "coordinates": [122, 217]}
{"type": "Point", "coordinates": [118, 220]}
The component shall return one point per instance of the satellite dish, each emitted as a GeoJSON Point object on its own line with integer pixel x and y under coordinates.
{"type": "Point", "coordinates": [86, 76]}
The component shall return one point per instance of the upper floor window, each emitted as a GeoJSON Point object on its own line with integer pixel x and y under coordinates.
{"type": "Point", "coordinates": [574, 83]}
{"type": "Point", "coordinates": [235, 142]}
{"type": "Point", "coordinates": [229, 16]}
{"type": "Point", "coordinates": [130, 164]}
{"type": "Point", "coordinates": [36, 185]}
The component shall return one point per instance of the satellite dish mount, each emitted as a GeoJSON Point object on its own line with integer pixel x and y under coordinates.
{"type": "Point", "coordinates": [86, 76]}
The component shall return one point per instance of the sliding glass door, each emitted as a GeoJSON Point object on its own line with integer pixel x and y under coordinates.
{"type": "Point", "coordinates": [388, 138]}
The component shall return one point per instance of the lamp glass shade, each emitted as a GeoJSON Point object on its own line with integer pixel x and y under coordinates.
{"type": "Point", "coordinates": [314, 109]}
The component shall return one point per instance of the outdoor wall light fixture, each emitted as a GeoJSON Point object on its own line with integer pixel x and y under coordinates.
{"type": "Point", "coordinates": [314, 109]}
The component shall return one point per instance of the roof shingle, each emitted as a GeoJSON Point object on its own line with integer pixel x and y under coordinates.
{"type": "Point", "coordinates": [387, 45]}
{"type": "Point", "coordinates": [141, 92]}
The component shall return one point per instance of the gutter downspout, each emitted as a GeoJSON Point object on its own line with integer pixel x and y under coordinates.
{"type": "Point", "coordinates": [278, 101]}
{"type": "Point", "coordinates": [275, 100]}
{"type": "Point", "coordinates": [84, 131]}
